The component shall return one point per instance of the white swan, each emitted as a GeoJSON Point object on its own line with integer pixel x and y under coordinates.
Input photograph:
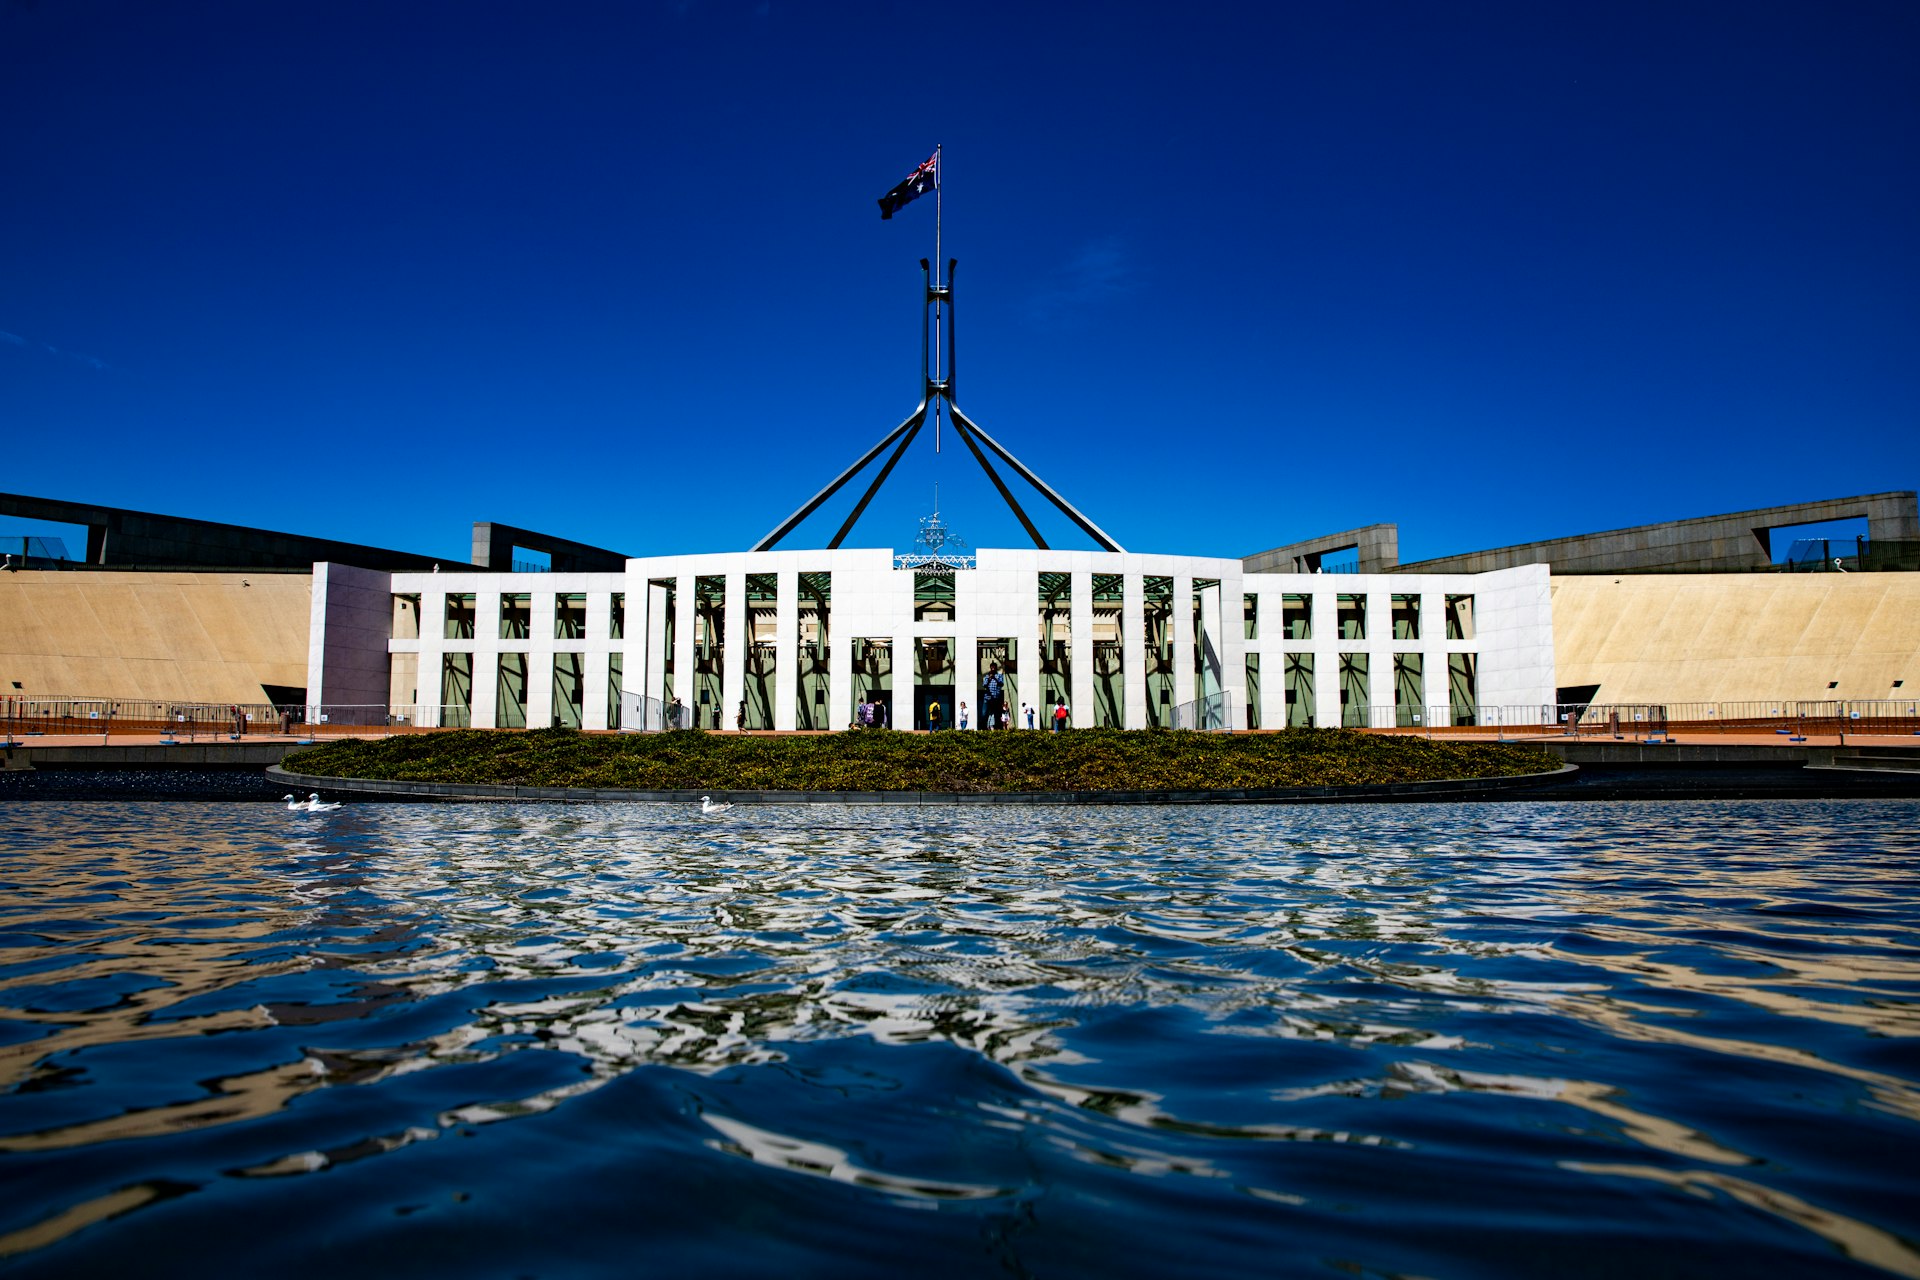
{"type": "Point", "coordinates": [316, 805]}
{"type": "Point", "coordinates": [707, 806]}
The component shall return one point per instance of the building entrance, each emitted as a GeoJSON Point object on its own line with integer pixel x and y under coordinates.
{"type": "Point", "coordinates": [933, 682]}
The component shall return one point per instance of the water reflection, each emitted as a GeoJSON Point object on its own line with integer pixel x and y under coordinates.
{"type": "Point", "coordinates": [1162, 993]}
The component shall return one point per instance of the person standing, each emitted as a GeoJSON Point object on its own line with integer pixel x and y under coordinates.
{"type": "Point", "coordinates": [1059, 716]}
{"type": "Point", "coordinates": [963, 715]}
{"type": "Point", "coordinates": [740, 717]}
{"type": "Point", "coordinates": [993, 698]}
{"type": "Point", "coordinates": [933, 717]}
{"type": "Point", "coordinates": [1028, 709]}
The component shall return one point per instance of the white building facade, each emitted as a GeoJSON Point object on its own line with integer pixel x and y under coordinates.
{"type": "Point", "coordinates": [789, 640]}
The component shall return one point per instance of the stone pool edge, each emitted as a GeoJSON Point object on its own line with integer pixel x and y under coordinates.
{"type": "Point", "coordinates": [1439, 789]}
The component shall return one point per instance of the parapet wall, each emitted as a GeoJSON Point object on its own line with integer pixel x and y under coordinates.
{"type": "Point", "coordinates": [1739, 541]}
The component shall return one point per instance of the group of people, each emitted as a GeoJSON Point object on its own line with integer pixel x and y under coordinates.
{"type": "Point", "coordinates": [872, 711]}
{"type": "Point", "coordinates": [993, 707]}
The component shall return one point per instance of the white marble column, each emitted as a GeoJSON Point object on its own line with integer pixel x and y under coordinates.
{"type": "Point", "coordinates": [737, 634]}
{"type": "Point", "coordinates": [899, 699]}
{"type": "Point", "coordinates": [1080, 686]}
{"type": "Point", "coordinates": [1133, 651]}
{"type": "Point", "coordinates": [539, 650]}
{"type": "Point", "coordinates": [1231, 644]}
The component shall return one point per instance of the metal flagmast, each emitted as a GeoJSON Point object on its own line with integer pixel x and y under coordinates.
{"type": "Point", "coordinates": [937, 397]}
{"type": "Point", "coordinates": [939, 195]}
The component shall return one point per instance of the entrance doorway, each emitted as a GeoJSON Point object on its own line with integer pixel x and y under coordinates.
{"type": "Point", "coordinates": [933, 681]}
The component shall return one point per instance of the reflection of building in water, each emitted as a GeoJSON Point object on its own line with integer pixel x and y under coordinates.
{"type": "Point", "coordinates": [743, 949]}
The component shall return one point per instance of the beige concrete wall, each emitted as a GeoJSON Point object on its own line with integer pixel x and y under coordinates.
{"type": "Point", "coordinates": [1739, 637]}
{"type": "Point", "coordinates": [208, 637]}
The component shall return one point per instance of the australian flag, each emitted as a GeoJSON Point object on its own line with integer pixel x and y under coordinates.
{"type": "Point", "coordinates": [922, 180]}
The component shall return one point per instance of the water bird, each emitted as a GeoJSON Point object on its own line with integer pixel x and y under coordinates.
{"type": "Point", "coordinates": [312, 804]}
{"type": "Point", "coordinates": [707, 806]}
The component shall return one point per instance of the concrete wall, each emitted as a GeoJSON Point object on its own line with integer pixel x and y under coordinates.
{"type": "Point", "coordinates": [1377, 545]}
{"type": "Point", "coordinates": [350, 620]}
{"type": "Point", "coordinates": [194, 637]}
{"type": "Point", "coordinates": [1739, 637]}
{"type": "Point", "coordinates": [116, 536]}
{"type": "Point", "coordinates": [493, 546]}
{"type": "Point", "coordinates": [1735, 542]}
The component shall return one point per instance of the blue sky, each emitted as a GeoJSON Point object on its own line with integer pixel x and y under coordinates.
{"type": "Point", "coordinates": [1230, 275]}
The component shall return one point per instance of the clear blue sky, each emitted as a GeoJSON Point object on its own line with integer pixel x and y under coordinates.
{"type": "Point", "coordinates": [1230, 275]}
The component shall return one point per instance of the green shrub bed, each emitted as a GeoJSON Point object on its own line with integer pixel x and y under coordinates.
{"type": "Point", "coordinates": [976, 762]}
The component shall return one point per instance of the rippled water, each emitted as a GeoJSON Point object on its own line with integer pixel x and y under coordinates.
{"type": "Point", "coordinates": [1476, 1040]}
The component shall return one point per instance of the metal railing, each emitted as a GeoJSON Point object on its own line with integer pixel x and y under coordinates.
{"type": "Point", "coordinates": [641, 714]}
{"type": "Point", "coordinates": [1212, 713]}
{"type": "Point", "coordinates": [1852, 555]}
{"type": "Point", "coordinates": [205, 721]}
{"type": "Point", "coordinates": [179, 721]}
{"type": "Point", "coordinates": [1787, 718]}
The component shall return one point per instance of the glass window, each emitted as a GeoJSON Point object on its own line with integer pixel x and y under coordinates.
{"type": "Point", "coordinates": [1056, 648]}
{"type": "Point", "coordinates": [1462, 691]}
{"type": "Point", "coordinates": [569, 689]}
{"type": "Point", "coordinates": [1406, 617]}
{"type": "Point", "coordinates": [709, 648]}
{"type": "Point", "coordinates": [617, 618]}
{"type": "Point", "coordinates": [811, 685]}
{"type": "Point", "coordinates": [1353, 617]}
{"type": "Point", "coordinates": [456, 690]}
{"type": "Point", "coordinates": [406, 617]}
{"type": "Point", "coordinates": [662, 598]}
{"type": "Point", "coordinates": [614, 665]}
{"type": "Point", "coordinates": [510, 711]}
{"type": "Point", "coordinates": [570, 617]}
{"type": "Point", "coordinates": [933, 597]}
{"type": "Point", "coordinates": [1296, 617]}
{"type": "Point", "coordinates": [1109, 651]}
{"type": "Point", "coordinates": [1250, 609]}
{"type": "Point", "coordinates": [1210, 621]}
{"type": "Point", "coordinates": [459, 617]}
{"type": "Point", "coordinates": [1253, 689]}
{"type": "Point", "coordinates": [1354, 691]}
{"type": "Point", "coordinates": [1459, 617]}
{"type": "Point", "coordinates": [516, 616]}
{"type": "Point", "coordinates": [1299, 690]}
{"type": "Point", "coordinates": [873, 678]}
{"type": "Point", "coordinates": [1157, 620]}
{"type": "Point", "coordinates": [1409, 689]}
